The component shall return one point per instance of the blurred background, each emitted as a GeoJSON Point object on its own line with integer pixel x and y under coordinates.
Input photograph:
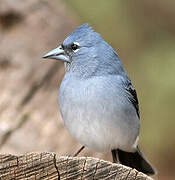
{"type": "Point", "coordinates": [143, 34]}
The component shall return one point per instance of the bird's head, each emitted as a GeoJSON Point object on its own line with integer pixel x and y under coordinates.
{"type": "Point", "coordinates": [81, 42]}
{"type": "Point", "coordinates": [84, 50]}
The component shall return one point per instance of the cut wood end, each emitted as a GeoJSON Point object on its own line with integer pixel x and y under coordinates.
{"type": "Point", "coordinates": [48, 165]}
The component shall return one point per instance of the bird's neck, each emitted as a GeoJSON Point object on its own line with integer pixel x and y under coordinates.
{"type": "Point", "coordinates": [82, 71]}
{"type": "Point", "coordinates": [88, 70]}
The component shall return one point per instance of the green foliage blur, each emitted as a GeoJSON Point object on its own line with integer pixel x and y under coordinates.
{"type": "Point", "coordinates": [143, 34]}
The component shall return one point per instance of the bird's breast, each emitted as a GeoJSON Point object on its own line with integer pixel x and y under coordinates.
{"type": "Point", "coordinates": [94, 113]}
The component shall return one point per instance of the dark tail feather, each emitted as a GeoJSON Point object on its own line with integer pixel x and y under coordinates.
{"type": "Point", "coordinates": [136, 160]}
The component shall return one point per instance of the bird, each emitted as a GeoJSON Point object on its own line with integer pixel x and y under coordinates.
{"type": "Point", "coordinates": [97, 100]}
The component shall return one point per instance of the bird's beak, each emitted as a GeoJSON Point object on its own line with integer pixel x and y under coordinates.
{"type": "Point", "coordinates": [58, 54]}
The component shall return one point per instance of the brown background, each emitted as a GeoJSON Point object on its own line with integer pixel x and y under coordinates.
{"type": "Point", "coordinates": [29, 112]}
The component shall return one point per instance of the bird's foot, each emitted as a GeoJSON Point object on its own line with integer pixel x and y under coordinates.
{"type": "Point", "coordinates": [76, 154]}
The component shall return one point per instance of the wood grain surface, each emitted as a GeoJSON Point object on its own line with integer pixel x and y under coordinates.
{"type": "Point", "coordinates": [47, 165]}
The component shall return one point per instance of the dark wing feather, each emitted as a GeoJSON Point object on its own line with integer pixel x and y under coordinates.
{"type": "Point", "coordinates": [133, 98]}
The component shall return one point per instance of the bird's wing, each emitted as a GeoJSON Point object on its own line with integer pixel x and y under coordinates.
{"type": "Point", "coordinates": [133, 97]}
{"type": "Point", "coordinates": [125, 80]}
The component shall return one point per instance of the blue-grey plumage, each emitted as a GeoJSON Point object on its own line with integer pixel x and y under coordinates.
{"type": "Point", "coordinates": [98, 102]}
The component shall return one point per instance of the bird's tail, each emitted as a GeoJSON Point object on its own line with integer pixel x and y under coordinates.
{"type": "Point", "coordinates": [136, 160]}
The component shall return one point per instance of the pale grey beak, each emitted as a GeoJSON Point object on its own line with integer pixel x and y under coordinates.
{"type": "Point", "coordinates": [58, 54]}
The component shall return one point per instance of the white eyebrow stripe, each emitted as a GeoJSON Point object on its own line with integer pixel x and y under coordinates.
{"type": "Point", "coordinates": [78, 44]}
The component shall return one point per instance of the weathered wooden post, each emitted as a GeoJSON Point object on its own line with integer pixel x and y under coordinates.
{"type": "Point", "coordinates": [47, 165]}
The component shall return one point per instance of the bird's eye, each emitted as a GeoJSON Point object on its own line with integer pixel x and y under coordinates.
{"type": "Point", "coordinates": [75, 46]}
